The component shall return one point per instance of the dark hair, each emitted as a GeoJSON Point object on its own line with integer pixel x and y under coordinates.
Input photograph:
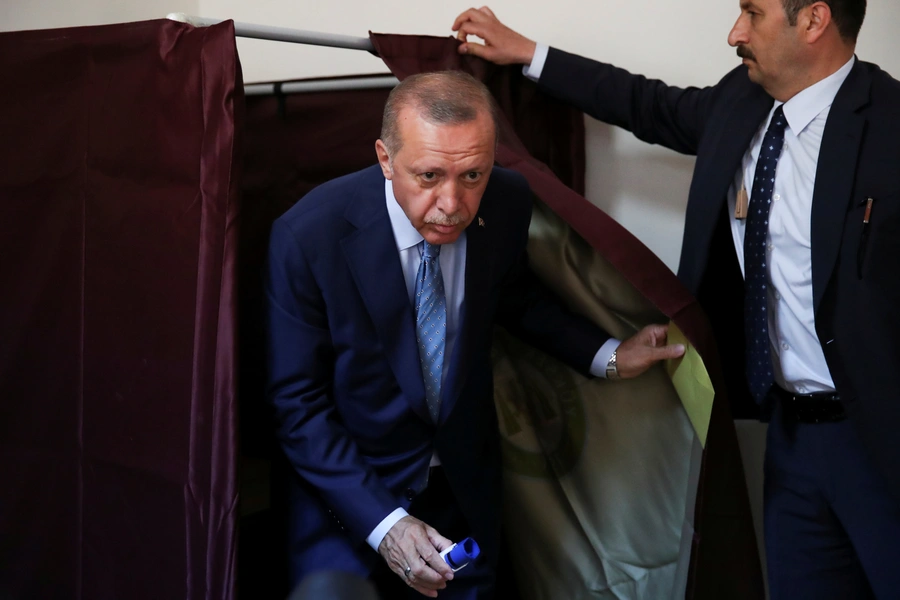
{"type": "Point", "coordinates": [848, 15]}
{"type": "Point", "coordinates": [440, 97]}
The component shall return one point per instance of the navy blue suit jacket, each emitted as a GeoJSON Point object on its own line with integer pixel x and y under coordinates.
{"type": "Point", "coordinates": [344, 374]}
{"type": "Point", "coordinates": [855, 275]}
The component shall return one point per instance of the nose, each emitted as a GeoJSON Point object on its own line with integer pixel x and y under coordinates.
{"type": "Point", "coordinates": [738, 33]}
{"type": "Point", "coordinates": [450, 197]}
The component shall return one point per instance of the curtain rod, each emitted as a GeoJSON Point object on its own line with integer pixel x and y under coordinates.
{"type": "Point", "coordinates": [281, 34]}
{"type": "Point", "coordinates": [335, 85]}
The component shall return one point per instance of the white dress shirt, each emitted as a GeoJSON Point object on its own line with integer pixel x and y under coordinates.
{"type": "Point", "coordinates": [453, 269]}
{"type": "Point", "coordinates": [796, 351]}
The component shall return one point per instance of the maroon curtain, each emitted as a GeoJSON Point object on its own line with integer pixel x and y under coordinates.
{"type": "Point", "coordinates": [118, 205]}
{"type": "Point", "coordinates": [292, 143]}
{"type": "Point", "coordinates": [724, 560]}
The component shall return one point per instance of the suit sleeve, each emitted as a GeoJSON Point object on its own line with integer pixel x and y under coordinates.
{"type": "Point", "coordinates": [532, 312]}
{"type": "Point", "coordinates": [300, 373]}
{"type": "Point", "coordinates": [655, 112]}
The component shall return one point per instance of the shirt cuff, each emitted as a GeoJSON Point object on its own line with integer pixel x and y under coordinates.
{"type": "Point", "coordinates": [533, 71]}
{"type": "Point", "coordinates": [381, 530]}
{"type": "Point", "coordinates": [601, 359]}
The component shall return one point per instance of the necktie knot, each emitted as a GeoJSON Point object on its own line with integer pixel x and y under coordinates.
{"type": "Point", "coordinates": [431, 250]}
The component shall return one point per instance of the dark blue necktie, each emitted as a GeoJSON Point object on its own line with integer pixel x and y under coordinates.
{"type": "Point", "coordinates": [756, 320]}
{"type": "Point", "coordinates": [431, 325]}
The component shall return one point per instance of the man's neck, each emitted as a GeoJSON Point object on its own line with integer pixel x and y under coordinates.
{"type": "Point", "coordinates": [826, 67]}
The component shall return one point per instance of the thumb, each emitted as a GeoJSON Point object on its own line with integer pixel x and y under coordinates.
{"type": "Point", "coordinates": [671, 351]}
{"type": "Point", "coordinates": [473, 50]}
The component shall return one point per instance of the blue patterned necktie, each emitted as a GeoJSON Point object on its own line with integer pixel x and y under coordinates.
{"type": "Point", "coordinates": [756, 320]}
{"type": "Point", "coordinates": [431, 325]}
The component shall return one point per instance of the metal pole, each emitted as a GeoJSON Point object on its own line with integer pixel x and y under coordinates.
{"type": "Point", "coordinates": [299, 87]}
{"type": "Point", "coordinates": [281, 34]}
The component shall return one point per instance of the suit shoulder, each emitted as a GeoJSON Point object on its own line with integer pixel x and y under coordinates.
{"type": "Point", "coordinates": [508, 197]}
{"type": "Point", "coordinates": [506, 181]}
{"type": "Point", "coordinates": [882, 79]}
{"type": "Point", "coordinates": [327, 202]}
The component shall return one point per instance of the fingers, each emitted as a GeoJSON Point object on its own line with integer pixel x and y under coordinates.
{"type": "Point", "coordinates": [653, 335]}
{"type": "Point", "coordinates": [469, 16]}
{"type": "Point", "coordinates": [501, 45]}
{"type": "Point", "coordinates": [644, 349]}
{"type": "Point", "coordinates": [472, 50]}
{"type": "Point", "coordinates": [440, 542]}
{"type": "Point", "coordinates": [410, 553]}
{"type": "Point", "coordinates": [422, 575]}
{"type": "Point", "coordinates": [433, 567]}
{"type": "Point", "coordinates": [658, 335]}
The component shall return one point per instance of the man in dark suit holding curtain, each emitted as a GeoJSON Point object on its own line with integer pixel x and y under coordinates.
{"type": "Point", "coordinates": [383, 288]}
{"type": "Point", "coordinates": [797, 188]}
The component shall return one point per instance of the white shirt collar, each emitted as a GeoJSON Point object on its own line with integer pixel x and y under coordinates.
{"type": "Point", "coordinates": [808, 104]}
{"type": "Point", "coordinates": [405, 234]}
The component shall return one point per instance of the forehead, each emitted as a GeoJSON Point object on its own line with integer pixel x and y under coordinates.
{"type": "Point", "coordinates": [466, 143]}
{"type": "Point", "coordinates": [760, 5]}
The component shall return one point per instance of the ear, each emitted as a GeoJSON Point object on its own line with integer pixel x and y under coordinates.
{"type": "Point", "coordinates": [813, 21]}
{"type": "Point", "coordinates": [384, 159]}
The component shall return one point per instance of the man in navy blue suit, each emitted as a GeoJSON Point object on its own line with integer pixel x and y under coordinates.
{"type": "Point", "coordinates": [396, 453]}
{"type": "Point", "coordinates": [791, 242]}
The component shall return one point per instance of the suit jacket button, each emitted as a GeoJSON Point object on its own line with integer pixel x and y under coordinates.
{"type": "Point", "coordinates": [410, 494]}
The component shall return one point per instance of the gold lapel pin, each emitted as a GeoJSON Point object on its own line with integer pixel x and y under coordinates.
{"type": "Point", "coordinates": [480, 222]}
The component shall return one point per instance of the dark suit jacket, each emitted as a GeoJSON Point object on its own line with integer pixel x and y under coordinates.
{"type": "Point", "coordinates": [855, 279]}
{"type": "Point", "coordinates": [344, 370]}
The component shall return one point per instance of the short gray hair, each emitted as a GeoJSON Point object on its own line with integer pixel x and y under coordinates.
{"type": "Point", "coordinates": [847, 15]}
{"type": "Point", "coordinates": [441, 97]}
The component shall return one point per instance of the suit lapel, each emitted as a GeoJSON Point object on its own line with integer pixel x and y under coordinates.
{"type": "Point", "coordinates": [730, 145]}
{"type": "Point", "coordinates": [835, 175]}
{"type": "Point", "coordinates": [471, 315]}
{"type": "Point", "coordinates": [371, 254]}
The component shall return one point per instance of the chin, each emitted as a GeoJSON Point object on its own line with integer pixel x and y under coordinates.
{"type": "Point", "coordinates": [752, 72]}
{"type": "Point", "coordinates": [435, 237]}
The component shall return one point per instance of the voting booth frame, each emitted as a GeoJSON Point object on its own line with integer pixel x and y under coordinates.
{"type": "Point", "coordinates": [138, 186]}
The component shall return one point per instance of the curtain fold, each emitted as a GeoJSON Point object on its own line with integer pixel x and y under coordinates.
{"type": "Point", "coordinates": [118, 212]}
{"type": "Point", "coordinates": [703, 519]}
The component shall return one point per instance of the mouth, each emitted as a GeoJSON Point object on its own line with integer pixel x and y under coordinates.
{"type": "Point", "coordinates": [444, 228]}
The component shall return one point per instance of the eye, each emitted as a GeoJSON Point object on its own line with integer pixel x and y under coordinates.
{"type": "Point", "coordinates": [472, 176]}
{"type": "Point", "coordinates": [428, 176]}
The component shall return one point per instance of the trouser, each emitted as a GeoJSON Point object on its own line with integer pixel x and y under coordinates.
{"type": "Point", "coordinates": [832, 527]}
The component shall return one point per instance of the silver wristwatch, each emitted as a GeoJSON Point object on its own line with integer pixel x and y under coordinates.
{"type": "Point", "coordinates": [612, 371]}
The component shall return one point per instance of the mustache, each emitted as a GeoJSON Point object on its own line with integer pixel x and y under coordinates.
{"type": "Point", "coordinates": [745, 52]}
{"type": "Point", "coordinates": [445, 220]}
